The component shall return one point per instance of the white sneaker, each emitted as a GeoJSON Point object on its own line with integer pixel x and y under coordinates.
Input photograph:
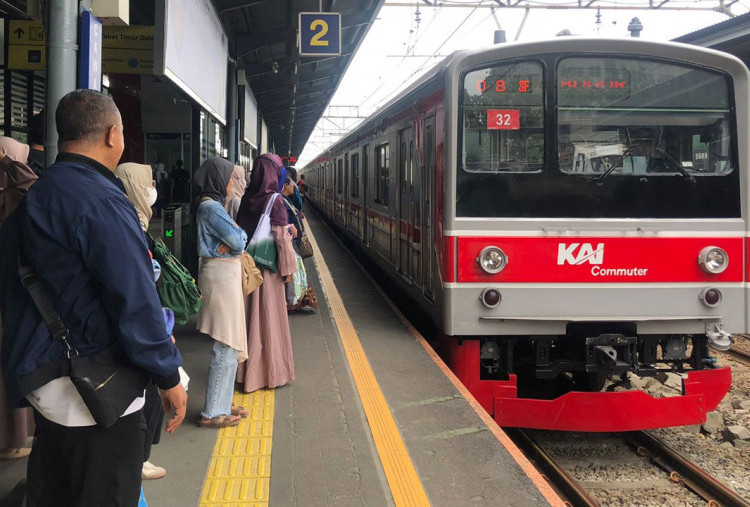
{"type": "Point", "coordinates": [151, 471]}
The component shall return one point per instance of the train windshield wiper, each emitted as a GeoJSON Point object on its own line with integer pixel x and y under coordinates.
{"type": "Point", "coordinates": [597, 179]}
{"type": "Point", "coordinates": [681, 168]}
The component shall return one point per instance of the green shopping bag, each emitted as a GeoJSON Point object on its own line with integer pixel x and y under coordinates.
{"type": "Point", "coordinates": [262, 246]}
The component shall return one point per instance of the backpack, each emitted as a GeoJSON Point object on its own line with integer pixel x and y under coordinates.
{"type": "Point", "coordinates": [177, 290]}
{"type": "Point", "coordinates": [15, 180]}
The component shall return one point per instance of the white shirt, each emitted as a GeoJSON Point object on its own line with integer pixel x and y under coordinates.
{"type": "Point", "coordinates": [58, 401]}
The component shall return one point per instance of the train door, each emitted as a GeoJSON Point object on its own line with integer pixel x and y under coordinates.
{"type": "Point", "coordinates": [415, 225]}
{"type": "Point", "coordinates": [428, 169]}
{"type": "Point", "coordinates": [345, 197]}
{"type": "Point", "coordinates": [365, 197]}
{"type": "Point", "coordinates": [403, 222]}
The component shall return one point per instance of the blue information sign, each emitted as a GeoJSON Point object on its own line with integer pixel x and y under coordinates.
{"type": "Point", "coordinates": [90, 68]}
{"type": "Point", "coordinates": [319, 33]}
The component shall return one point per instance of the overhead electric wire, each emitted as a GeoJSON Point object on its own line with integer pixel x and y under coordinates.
{"type": "Point", "coordinates": [437, 51]}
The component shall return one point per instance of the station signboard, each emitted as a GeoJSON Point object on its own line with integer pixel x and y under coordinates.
{"type": "Point", "coordinates": [90, 55]}
{"type": "Point", "coordinates": [26, 49]}
{"type": "Point", "coordinates": [125, 49]}
{"type": "Point", "coordinates": [128, 50]}
{"type": "Point", "coordinates": [319, 34]}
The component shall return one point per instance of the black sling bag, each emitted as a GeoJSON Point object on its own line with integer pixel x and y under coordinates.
{"type": "Point", "coordinates": [106, 380]}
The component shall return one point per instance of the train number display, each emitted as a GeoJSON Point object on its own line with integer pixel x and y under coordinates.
{"type": "Point", "coordinates": [503, 119]}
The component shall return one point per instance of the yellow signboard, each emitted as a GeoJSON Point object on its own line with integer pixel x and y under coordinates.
{"type": "Point", "coordinates": [26, 57]}
{"type": "Point", "coordinates": [29, 33]}
{"type": "Point", "coordinates": [128, 50]}
{"type": "Point", "coordinates": [26, 50]}
{"type": "Point", "coordinates": [127, 61]}
{"type": "Point", "coordinates": [125, 49]}
{"type": "Point", "coordinates": [128, 37]}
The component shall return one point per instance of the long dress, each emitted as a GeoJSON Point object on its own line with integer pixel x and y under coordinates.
{"type": "Point", "coordinates": [270, 362]}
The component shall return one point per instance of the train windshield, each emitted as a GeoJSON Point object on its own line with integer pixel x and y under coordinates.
{"type": "Point", "coordinates": [572, 136]}
{"type": "Point", "coordinates": [504, 119]}
{"type": "Point", "coordinates": [632, 118]}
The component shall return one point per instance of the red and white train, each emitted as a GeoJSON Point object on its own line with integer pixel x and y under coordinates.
{"type": "Point", "coordinates": [571, 213]}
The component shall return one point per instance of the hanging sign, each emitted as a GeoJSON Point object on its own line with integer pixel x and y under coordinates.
{"type": "Point", "coordinates": [319, 34]}
{"type": "Point", "coordinates": [26, 49]}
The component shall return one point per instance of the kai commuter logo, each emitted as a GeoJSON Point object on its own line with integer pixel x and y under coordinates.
{"type": "Point", "coordinates": [577, 254]}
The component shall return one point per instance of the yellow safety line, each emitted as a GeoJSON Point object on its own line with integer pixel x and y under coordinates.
{"type": "Point", "coordinates": [240, 469]}
{"type": "Point", "coordinates": [403, 480]}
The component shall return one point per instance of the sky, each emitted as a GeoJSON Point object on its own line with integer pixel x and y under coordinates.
{"type": "Point", "coordinates": [380, 68]}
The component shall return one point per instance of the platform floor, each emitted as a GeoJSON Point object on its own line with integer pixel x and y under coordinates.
{"type": "Point", "coordinates": [424, 442]}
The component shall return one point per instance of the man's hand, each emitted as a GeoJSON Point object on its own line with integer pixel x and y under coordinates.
{"type": "Point", "coordinates": [224, 249]}
{"type": "Point", "coordinates": [175, 398]}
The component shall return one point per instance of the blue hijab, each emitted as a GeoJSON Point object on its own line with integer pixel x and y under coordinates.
{"type": "Point", "coordinates": [282, 178]}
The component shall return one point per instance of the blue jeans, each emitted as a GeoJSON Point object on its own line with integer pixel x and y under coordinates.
{"type": "Point", "coordinates": [221, 375]}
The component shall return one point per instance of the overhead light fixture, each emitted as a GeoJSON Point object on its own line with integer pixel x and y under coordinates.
{"type": "Point", "coordinates": [275, 68]}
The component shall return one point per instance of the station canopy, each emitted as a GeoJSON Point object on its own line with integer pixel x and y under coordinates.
{"type": "Point", "coordinates": [292, 91]}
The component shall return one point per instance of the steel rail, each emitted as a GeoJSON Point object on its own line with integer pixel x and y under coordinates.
{"type": "Point", "coordinates": [684, 471]}
{"type": "Point", "coordinates": [574, 494]}
{"type": "Point", "coordinates": [739, 355]}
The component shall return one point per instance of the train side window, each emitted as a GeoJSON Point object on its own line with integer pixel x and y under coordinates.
{"type": "Point", "coordinates": [382, 164]}
{"type": "Point", "coordinates": [503, 119]}
{"type": "Point", "coordinates": [354, 165]}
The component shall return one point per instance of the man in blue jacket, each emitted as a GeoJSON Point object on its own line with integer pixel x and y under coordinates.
{"type": "Point", "coordinates": [81, 235]}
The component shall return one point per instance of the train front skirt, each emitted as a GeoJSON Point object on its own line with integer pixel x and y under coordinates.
{"type": "Point", "coordinates": [703, 390]}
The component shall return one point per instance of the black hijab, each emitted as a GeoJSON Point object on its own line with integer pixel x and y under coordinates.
{"type": "Point", "coordinates": [211, 179]}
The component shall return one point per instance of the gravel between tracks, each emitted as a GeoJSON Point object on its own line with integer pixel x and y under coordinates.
{"type": "Point", "coordinates": [729, 462]}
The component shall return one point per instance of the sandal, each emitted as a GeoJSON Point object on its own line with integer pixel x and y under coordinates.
{"type": "Point", "coordinates": [239, 410]}
{"type": "Point", "coordinates": [222, 421]}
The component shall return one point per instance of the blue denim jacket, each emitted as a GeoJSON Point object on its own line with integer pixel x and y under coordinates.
{"type": "Point", "coordinates": [215, 227]}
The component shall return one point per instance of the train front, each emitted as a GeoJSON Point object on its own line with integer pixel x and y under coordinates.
{"type": "Point", "coordinates": [594, 231]}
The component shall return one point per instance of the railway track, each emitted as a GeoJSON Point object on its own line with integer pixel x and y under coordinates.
{"type": "Point", "coordinates": [634, 456]}
{"type": "Point", "coordinates": [739, 355]}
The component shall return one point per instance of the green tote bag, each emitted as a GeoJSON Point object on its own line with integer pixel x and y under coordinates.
{"type": "Point", "coordinates": [262, 246]}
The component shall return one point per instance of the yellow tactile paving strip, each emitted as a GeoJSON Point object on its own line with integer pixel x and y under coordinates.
{"type": "Point", "coordinates": [406, 488]}
{"type": "Point", "coordinates": [240, 469]}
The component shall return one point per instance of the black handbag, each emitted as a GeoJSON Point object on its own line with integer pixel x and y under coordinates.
{"type": "Point", "coordinates": [106, 380]}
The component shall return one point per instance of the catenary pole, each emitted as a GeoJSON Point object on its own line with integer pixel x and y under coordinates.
{"type": "Point", "coordinates": [62, 33]}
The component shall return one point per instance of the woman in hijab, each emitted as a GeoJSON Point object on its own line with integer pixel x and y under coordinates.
{"type": "Point", "coordinates": [140, 190]}
{"type": "Point", "coordinates": [270, 362]}
{"type": "Point", "coordinates": [222, 315]}
{"type": "Point", "coordinates": [139, 187]}
{"type": "Point", "coordinates": [16, 425]}
{"type": "Point", "coordinates": [232, 204]}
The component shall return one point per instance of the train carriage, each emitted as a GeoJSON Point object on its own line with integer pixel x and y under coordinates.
{"type": "Point", "coordinates": [571, 213]}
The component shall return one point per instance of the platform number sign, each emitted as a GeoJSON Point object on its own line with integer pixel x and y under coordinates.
{"type": "Point", "coordinates": [319, 33]}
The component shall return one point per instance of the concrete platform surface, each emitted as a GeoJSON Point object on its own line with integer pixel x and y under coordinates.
{"type": "Point", "coordinates": [323, 452]}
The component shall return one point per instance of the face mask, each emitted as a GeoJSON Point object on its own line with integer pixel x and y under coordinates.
{"type": "Point", "coordinates": [151, 196]}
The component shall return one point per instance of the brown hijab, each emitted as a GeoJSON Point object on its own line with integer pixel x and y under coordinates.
{"type": "Point", "coordinates": [264, 182]}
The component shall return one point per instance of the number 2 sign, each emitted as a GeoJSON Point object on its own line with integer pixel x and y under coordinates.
{"type": "Point", "coordinates": [319, 33]}
{"type": "Point", "coordinates": [503, 119]}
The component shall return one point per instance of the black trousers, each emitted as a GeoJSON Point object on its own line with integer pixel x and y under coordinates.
{"type": "Point", "coordinates": [88, 466]}
{"type": "Point", "coordinates": [154, 415]}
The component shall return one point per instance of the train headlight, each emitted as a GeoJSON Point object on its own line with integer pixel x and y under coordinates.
{"type": "Point", "coordinates": [492, 260]}
{"type": "Point", "coordinates": [713, 260]}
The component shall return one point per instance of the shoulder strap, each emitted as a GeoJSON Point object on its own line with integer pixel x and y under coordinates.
{"type": "Point", "coordinates": [269, 205]}
{"type": "Point", "coordinates": [44, 304]}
